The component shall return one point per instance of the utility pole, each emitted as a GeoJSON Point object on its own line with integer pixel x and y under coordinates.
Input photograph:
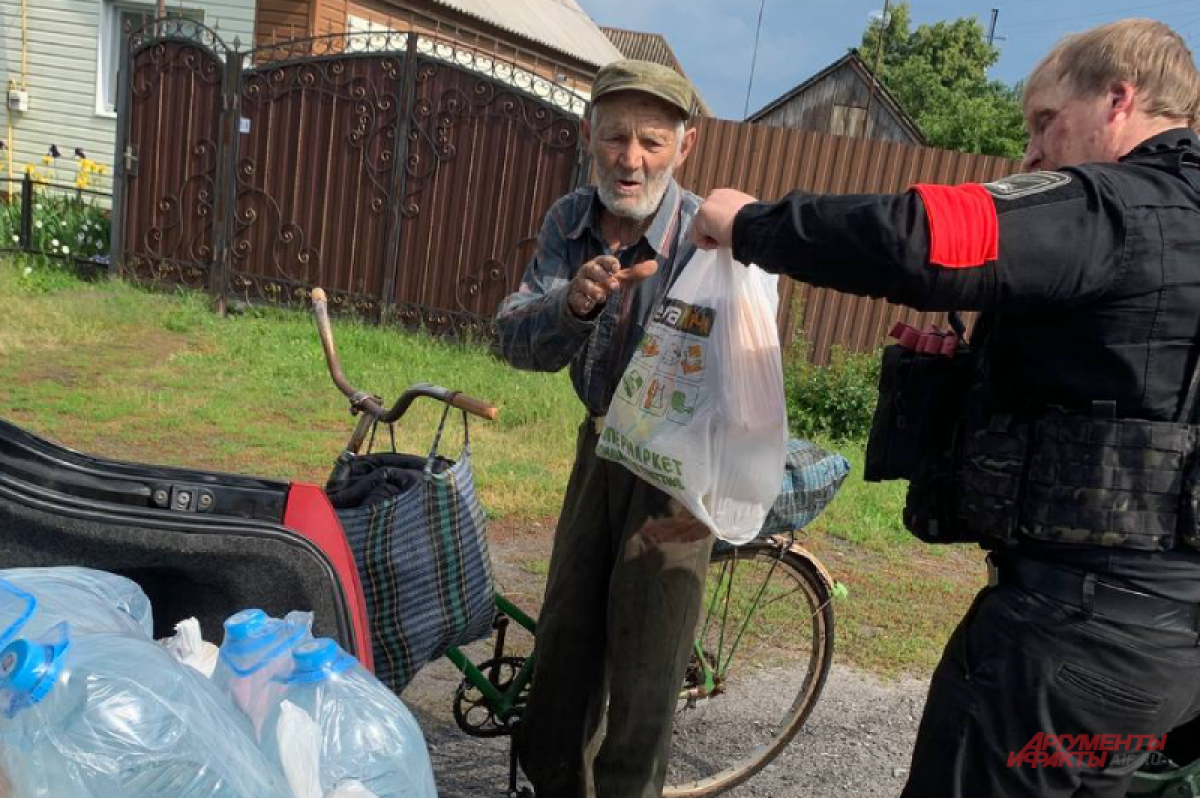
{"type": "Point", "coordinates": [883, 29]}
{"type": "Point", "coordinates": [992, 27]}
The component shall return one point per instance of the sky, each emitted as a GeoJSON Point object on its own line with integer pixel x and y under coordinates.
{"type": "Point", "coordinates": [714, 39]}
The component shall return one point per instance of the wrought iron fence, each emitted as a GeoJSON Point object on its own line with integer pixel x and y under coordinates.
{"type": "Point", "coordinates": [64, 222]}
{"type": "Point", "coordinates": [406, 174]}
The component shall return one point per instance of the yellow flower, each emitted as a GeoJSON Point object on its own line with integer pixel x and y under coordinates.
{"type": "Point", "coordinates": [29, 169]}
{"type": "Point", "coordinates": [101, 169]}
{"type": "Point", "coordinates": [81, 182]}
{"type": "Point", "coordinates": [46, 159]}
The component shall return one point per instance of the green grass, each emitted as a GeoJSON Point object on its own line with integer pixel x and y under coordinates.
{"type": "Point", "coordinates": [536, 566]}
{"type": "Point", "coordinates": [868, 514]}
{"type": "Point", "coordinates": [115, 370]}
{"type": "Point", "coordinates": [904, 596]}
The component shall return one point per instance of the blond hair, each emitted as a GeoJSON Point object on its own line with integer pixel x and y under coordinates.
{"type": "Point", "coordinates": [1143, 52]}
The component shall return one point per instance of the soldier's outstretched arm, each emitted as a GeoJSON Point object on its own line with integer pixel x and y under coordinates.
{"type": "Point", "coordinates": [1046, 239]}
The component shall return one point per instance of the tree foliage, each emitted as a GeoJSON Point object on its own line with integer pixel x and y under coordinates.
{"type": "Point", "coordinates": [938, 74]}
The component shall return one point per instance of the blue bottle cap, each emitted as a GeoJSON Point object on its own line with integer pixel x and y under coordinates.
{"type": "Point", "coordinates": [317, 660]}
{"type": "Point", "coordinates": [28, 669]}
{"type": "Point", "coordinates": [22, 665]}
{"type": "Point", "coordinates": [253, 639]}
{"type": "Point", "coordinates": [16, 608]}
{"type": "Point", "coordinates": [245, 624]}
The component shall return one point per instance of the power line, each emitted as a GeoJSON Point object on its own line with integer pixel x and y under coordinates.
{"type": "Point", "coordinates": [1042, 24]}
{"type": "Point", "coordinates": [754, 58]}
{"type": "Point", "coordinates": [1059, 31]}
{"type": "Point", "coordinates": [1113, 12]}
{"type": "Point", "coordinates": [1184, 27]}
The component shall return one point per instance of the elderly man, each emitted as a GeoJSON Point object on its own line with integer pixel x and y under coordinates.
{"type": "Point", "coordinates": [1077, 460]}
{"type": "Point", "coordinates": [624, 589]}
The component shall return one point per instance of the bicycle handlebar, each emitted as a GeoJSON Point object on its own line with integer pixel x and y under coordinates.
{"type": "Point", "coordinates": [372, 405]}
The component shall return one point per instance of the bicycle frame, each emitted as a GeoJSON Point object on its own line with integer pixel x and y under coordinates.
{"type": "Point", "coordinates": [500, 702]}
{"type": "Point", "coordinates": [1183, 782]}
{"type": "Point", "coordinates": [503, 702]}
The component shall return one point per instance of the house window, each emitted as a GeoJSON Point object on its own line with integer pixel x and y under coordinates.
{"type": "Point", "coordinates": [358, 24]}
{"type": "Point", "coordinates": [847, 120]}
{"type": "Point", "coordinates": [116, 20]}
{"type": "Point", "coordinates": [369, 35]}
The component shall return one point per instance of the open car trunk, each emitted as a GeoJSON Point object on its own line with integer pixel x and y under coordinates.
{"type": "Point", "coordinates": [200, 544]}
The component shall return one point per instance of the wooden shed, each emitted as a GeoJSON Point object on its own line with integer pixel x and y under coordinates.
{"type": "Point", "coordinates": [836, 100]}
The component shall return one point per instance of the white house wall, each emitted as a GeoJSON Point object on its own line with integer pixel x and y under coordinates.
{"type": "Point", "coordinates": [63, 63]}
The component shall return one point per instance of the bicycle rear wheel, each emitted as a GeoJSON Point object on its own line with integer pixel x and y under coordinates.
{"type": "Point", "coordinates": [764, 648]}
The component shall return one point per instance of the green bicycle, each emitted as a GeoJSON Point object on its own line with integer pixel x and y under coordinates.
{"type": "Point", "coordinates": [760, 660]}
{"type": "Point", "coordinates": [759, 663]}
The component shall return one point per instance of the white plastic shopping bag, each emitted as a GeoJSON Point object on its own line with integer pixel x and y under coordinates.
{"type": "Point", "coordinates": [300, 747]}
{"type": "Point", "coordinates": [189, 647]}
{"type": "Point", "coordinates": [699, 413]}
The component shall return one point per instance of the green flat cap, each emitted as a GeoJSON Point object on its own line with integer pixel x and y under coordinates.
{"type": "Point", "coordinates": [645, 76]}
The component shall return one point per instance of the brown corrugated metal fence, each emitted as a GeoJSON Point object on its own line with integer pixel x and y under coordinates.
{"type": "Point", "coordinates": [768, 162]}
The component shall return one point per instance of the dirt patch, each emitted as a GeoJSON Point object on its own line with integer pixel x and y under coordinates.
{"type": "Point", "coordinates": [86, 365]}
{"type": "Point", "coordinates": [521, 557]}
{"type": "Point", "coordinates": [961, 564]}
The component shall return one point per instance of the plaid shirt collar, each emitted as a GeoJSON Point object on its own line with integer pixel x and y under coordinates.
{"type": "Point", "coordinates": [661, 233]}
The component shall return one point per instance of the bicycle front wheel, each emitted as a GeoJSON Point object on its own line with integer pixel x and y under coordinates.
{"type": "Point", "coordinates": [763, 650]}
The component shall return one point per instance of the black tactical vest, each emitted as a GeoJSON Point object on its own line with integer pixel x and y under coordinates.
{"type": "Point", "coordinates": [1078, 422]}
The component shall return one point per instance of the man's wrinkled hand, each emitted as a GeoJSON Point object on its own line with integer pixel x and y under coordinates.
{"type": "Point", "coordinates": [713, 225]}
{"type": "Point", "coordinates": [598, 278]}
{"type": "Point", "coordinates": [678, 527]}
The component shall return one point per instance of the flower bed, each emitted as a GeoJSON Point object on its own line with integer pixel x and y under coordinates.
{"type": "Point", "coordinates": [68, 221]}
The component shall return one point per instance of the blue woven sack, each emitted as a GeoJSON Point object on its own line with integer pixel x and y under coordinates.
{"type": "Point", "coordinates": [423, 560]}
{"type": "Point", "coordinates": [811, 477]}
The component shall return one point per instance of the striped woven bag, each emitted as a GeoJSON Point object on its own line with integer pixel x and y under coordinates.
{"type": "Point", "coordinates": [423, 560]}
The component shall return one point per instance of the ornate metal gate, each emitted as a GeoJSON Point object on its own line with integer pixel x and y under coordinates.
{"type": "Point", "coordinates": [169, 155]}
{"type": "Point", "coordinates": [405, 173]}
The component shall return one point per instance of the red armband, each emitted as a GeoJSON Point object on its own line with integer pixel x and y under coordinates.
{"type": "Point", "coordinates": [964, 229]}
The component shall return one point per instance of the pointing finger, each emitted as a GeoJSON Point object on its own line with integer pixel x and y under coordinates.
{"type": "Point", "coordinates": [638, 273]}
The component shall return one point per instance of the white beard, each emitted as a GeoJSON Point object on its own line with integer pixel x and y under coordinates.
{"type": "Point", "coordinates": [637, 208]}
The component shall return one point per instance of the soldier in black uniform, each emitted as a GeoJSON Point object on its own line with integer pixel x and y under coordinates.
{"type": "Point", "coordinates": [1080, 476]}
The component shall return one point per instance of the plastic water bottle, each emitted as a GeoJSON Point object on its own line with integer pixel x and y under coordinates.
{"type": "Point", "coordinates": [364, 732]}
{"type": "Point", "coordinates": [91, 600]}
{"type": "Point", "coordinates": [256, 649]}
{"type": "Point", "coordinates": [92, 716]}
